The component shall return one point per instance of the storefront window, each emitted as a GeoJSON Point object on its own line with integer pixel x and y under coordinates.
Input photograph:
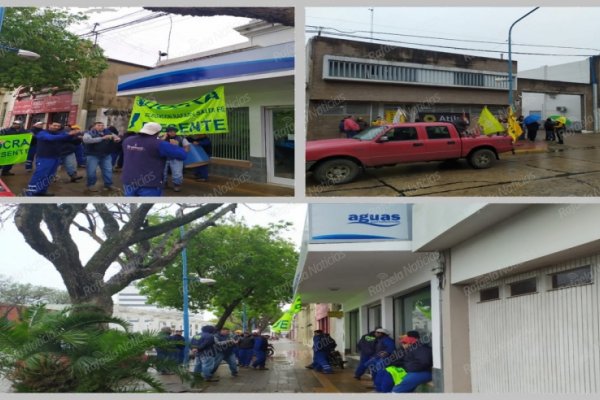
{"type": "Point", "coordinates": [413, 312]}
{"type": "Point", "coordinates": [374, 317]}
{"type": "Point", "coordinates": [354, 331]}
{"type": "Point", "coordinates": [234, 145]}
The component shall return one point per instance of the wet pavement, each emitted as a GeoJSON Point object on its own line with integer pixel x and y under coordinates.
{"type": "Point", "coordinates": [287, 374]}
{"type": "Point", "coordinates": [537, 169]}
{"type": "Point", "coordinates": [216, 186]}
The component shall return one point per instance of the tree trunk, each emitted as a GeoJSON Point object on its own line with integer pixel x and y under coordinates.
{"type": "Point", "coordinates": [229, 308]}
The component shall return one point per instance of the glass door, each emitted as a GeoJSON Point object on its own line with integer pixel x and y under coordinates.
{"type": "Point", "coordinates": [279, 127]}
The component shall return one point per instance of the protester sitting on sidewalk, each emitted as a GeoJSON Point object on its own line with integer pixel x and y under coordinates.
{"type": "Point", "coordinates": [417, 362]}
{"type": "Point", "coordinates": [261, 345]}
{"type": "Point", "coordinates": [204, 347]}
{"type": "Point", "coordinates": [366, 348]}
{"type": "Point", "coordinates": [224, 351]}
{"type": "Point", "coordinates": [384, 347]}
{"type": "Point", "coordinates": [246, 347]}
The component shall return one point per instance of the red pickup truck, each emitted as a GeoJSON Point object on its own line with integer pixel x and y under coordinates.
{"type": "Point", "coordinates": [334, 161]}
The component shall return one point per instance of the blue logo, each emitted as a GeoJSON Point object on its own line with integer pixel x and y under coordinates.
{"type": "Point", "coordinates": [379, 220]}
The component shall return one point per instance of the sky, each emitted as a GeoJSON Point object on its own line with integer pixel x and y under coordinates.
{"type": "Point", "coordinates": [21, 263]}
{"type": "Point", "coordinates": [140, 43]}
{"type": "Point", "coordinates": [555, 26]}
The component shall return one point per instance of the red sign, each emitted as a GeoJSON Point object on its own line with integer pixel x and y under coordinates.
{"type": "Point", "coordinates": [321, 311]}
{"type": "Point", "coordinates": [47, 104]}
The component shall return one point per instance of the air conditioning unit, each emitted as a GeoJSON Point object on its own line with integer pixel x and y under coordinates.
{"type": "Point", "coordinates": [561, 109]}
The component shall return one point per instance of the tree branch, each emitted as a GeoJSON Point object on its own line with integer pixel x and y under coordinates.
{"type": "Point", "coordinates": [111, 226]}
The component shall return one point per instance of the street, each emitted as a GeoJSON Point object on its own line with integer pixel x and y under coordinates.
{"type": "Point", "coordinates": [539, 169]}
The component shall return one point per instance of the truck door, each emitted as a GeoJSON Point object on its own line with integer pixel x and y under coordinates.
{"type": "Point", "coordinates": [440, 144]}
{"type": "Point", "coordinates": [399, 145]}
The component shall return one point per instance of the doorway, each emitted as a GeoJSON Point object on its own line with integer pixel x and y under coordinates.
{"type": "Point", "coordinates": [279, 137]}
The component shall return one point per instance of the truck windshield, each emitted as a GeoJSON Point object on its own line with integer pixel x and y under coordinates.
{"type": "Point", "coordinates": [369, 133]}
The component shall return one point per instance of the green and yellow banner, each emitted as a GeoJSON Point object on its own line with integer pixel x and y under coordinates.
{"type": "Point", "coordinates": [283, 324]}
{"type": "Point", "coordinates": [489, 123]}
{"type": "Point", "coordinates": [14, 148]}
{"type": "Point", "coordinates": [205, 115]}
{"type": "Point", "coordinates": [296, 306]}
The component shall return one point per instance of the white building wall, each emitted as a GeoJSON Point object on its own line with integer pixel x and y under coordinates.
{"type": "Point", "coordinates": [536, 232]}
{"type": "Point", "coordinates": [547, 104]}
{"type": "Point", "coordinates": [546, 342]}
{"type": "Point", "coordinates": [578, 72]}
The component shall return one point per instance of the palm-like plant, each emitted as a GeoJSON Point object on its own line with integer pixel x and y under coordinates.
{"type": "Point", "coordinates": [74, 351]}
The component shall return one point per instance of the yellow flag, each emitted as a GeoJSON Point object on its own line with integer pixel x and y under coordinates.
{"type": "Point", "coordinates": [489, 123]}
{"type": "Point", "coordinates": [514, 128]}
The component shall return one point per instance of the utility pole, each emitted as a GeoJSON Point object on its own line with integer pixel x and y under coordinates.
{"type": "Point", "coordinates": [372, 11]}
{"type": "Point", "coordinates": [510, 73]}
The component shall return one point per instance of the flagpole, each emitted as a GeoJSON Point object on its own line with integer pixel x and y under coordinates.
{"type": "Point", "coordinates": [510, 73]}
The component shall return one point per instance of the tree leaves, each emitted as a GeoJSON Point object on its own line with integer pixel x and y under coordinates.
{"type": "Point", "coordinates": [65, 58]}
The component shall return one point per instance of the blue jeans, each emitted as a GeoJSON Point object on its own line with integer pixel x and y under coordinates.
{"type": "Point", "coordinates": [411, 381]}
{"type": "Point", "coordinates": [230, 359]}
{"type": "Point", "coordinates": [135, 191]}
{"type": "Point", "coordinates": [30, 157]}
{"type": "Point", "coordinates": [261, 359]}
{"type": "Point", "coordinates": [43, 176]}
{"type": "Point", "coordinates": [197, 365]}
{"type": "Point", "coordinates": [70, 163]}
{"type": "Point", "coordinates": [176, 171]}
{"type": "Point", "coordinates": [208, 365]}
{"type": "Point", "coordinates": [105, 163]}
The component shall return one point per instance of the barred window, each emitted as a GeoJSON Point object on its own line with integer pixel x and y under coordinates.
{"type": "Point", "coordinates": [234, 145]}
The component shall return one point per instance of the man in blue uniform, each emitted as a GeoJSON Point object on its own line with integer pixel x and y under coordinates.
{"type": "Point", "coordinates": [225, 345]}
{"type": "Point", "coordinates": [366, 347]}
{"type": "Point", "coordinates": [50, 144]}
{"type": "Point", "coordinates": [204, 347]}
{"type": "Point", "coordinates": [145, 158]}
{"type": "Point", "coordinates": [260, 351]}
{"type": "Point", "coordinates": [99, 145]}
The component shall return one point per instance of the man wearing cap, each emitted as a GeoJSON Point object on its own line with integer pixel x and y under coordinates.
{"type": "Point", "coordinates": [225, 345]}
{"type": "Point", "coordinates": [99, 144]}
{"type": "Point", "coordinates": [384, 347]}
{"type": "Point", "coordinates": [47, 159]}
{"type": "Point", "coordinates": [35, 129]}
{"type": "Point", "coordinates": [203, 345]}
{"type": "Point", "coordinates": [178, 354]}
{"type": "Point", "coordinates": [366, 346]}
{"type": "Point", "coordinates": [15, 128]}
{"type": "Point", "coordinates": [144, 161]}
{"type": "Point", "coordinates": [246, 346]}
{"type": "Point", "coordinates": [174, 164]}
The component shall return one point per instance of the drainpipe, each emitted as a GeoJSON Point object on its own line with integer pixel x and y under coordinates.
{"type": "Point", "coordinates": [594, 79]}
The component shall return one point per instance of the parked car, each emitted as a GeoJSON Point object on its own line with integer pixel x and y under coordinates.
{"type": "Point", "coordinates": [335, 161]}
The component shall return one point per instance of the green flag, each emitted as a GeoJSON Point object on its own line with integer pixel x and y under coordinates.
{"type": "Point", "coordinates": [296, 305]}
{"type": "Point", "coordinates": [14, 148]}
{"type": "Point", "coordinates": [205, 115]}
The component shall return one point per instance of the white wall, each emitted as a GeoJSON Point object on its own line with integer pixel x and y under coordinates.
{"type": "Point", "coordinates": [545, 342]}
{"type": "Point", "coordinates": [547, 104]}
{"type": "Point", "coordinates": [578, 71]}
{"type": "Point", "coordinates": [537, 232]}
{"type": "Point", "coordinates": [429, 221]}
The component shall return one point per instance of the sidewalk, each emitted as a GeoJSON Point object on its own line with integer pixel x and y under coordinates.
{"type": "Point", "coordinates": [216, 186]}
{"type": "Point", "coordinates": [287, 374]}
{"type": "Point", "coordinates": [571, 141]}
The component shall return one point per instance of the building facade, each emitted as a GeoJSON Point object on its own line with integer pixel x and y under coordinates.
{"type": "Point", "coordinates": [367, 80]}
{"type": "Point", "coordinates": [94, 100]}
{"type": "Point", "coordinates": [258, 77]}
{"type": "Point", "coordinates": [507, 295]}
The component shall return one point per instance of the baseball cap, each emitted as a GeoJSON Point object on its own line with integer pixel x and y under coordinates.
{"type": "Point", "coordinates": [384, 331]}
{"type": "Point", "coordinates": [39, 123]}
{"type": "Point", "coordinates": [16, 121]}
{"type": "Point", "coordinates": [151, 128]}
{"type": "Point", "coordinates": [75, 127]}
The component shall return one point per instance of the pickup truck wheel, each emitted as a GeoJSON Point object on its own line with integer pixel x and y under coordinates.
{"type": "Point", "coordinates": [482, 158]}
{"type": "Point", "coordinates": [336, 171]}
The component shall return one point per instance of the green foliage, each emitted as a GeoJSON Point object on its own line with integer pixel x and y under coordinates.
{"type": "Point", "coordinates": [250, 264]}
{"type": "Point", "coordinates": [65, 58]}
{"type": "Point", "coordinates": [72, 352]}
{"type": "Point", "coordinates": [15, 293]}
